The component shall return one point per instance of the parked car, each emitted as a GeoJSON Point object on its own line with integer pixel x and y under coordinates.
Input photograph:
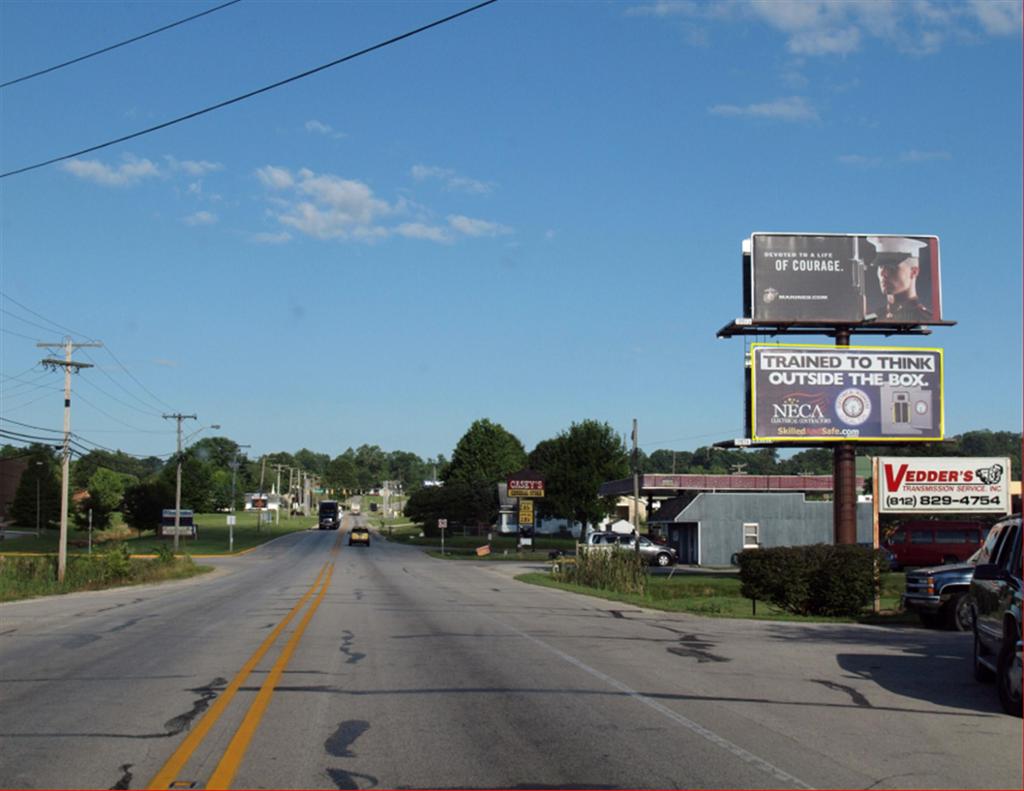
{"type": "Point", "coordinates": [359, 535]}
{"type": "Point", "coordinates": [932, 543]}
{"type": "Point", "coordinates": [996, 597]}
{"type": "Point", "coordinates": [654, 554]}
{"type": "Point", "coordinates": [939, 594]}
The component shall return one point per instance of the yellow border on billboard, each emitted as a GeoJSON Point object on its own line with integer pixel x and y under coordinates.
{"type": "Point", "coordinates": [822, 440]}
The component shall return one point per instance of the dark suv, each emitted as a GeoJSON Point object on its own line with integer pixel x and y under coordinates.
{"type": "Point", "coordinates": [938, 594]}
{"type": "Point", "coordinates": [996, 597]}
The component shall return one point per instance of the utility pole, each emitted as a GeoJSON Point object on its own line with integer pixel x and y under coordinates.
{"type": "Point", "coordinates": [636, 486]}
{"type": "Point", "coordinates": [280, 498]}
{"type": "Point", "coordinates": [68, 365]}
{"type": "Point", "coordinates": [177, 488]}
{"type": "Point", "coordinates": [234, 474]}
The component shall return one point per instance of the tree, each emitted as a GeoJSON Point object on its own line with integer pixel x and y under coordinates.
{"type": "Point", "coordinates": [196, 483]}
{"type": "Point", "coordinates": [342, 473]}
{"type": "Point", "coordinates": [458, 502]}
{"type": "Point", "coordinates": [315, 463]}
{"type": "Point", "coordinates": [575, 464]}
{"type": "Point", "coordinates": [85, 467]}
{"type": "Point", "coordinates": [106, 491]}
{"type": "Point", "coordinates": [42, 469]}
{"type": "Point", "coordinates": [371, 466]}
{"type": "Point", "coordinates": [144, 503]}
{"type": "Point", "coordinates": [218, 451]}
{"type": "Point", "coordinates": [485, 455]}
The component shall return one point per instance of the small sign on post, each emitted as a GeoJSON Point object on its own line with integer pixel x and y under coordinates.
{"type": "Point", "coordinates": [186, 525]}
{"type": "Point", "coordinates": [442, 525]}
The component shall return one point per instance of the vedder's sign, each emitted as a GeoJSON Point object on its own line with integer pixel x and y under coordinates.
{"type": "Point", "coordinates": [944, 485]}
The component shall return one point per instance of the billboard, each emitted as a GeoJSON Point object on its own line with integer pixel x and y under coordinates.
{"type": "Point", "coordinates": [844, 279]}
{"type": "Point", "coordinates": [944, 485]}
{"type": "Point", "coordinates": [808, 394]}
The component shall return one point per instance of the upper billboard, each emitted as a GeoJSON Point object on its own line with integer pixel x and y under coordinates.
{"type": "Point", "coordinates": [811, 394]}
{"type": "Point", "coordinates": [943, 485]}
{"type": "Point", "coordinates": [844, 279]}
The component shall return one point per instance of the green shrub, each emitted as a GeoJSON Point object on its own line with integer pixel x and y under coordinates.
{"type": "Point", "coordinates": [820, 579]}
{"type": "Point", "coordinates": [617, 570]}
{"type": "Point", "coordinates": [116, 563]}
{"type": "Point", "coordinates": [164, 554]}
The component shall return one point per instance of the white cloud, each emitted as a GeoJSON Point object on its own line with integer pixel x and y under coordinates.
{"type": "Point", "coordinates": [193, 167]}
{"type": "Point", "coordinates": [791, 108]}
{"type": "Point", "coordinates": [327, 206]}
{"type": "Point", "coordinates": [452, 180]}
{"type": "Point", "coordinates": [418, 230]}
{"type": "Point", "coordinates": [277, 178]}
{"type": "Point", "coordinates": [914, 155]}
{"type": "Point", "coordinates": [201, 218]}
{"type": "Point", "coordinates": [471, 227]}
{"type": "Point", "coordinates": [840, 27]}
{"type": "Point", "coordinates": [130, 172]}
{"type": "Point", "coordinates": [998, 17]}
{"type": "Point", "coordinates": [271, 238]}
{"type": "Point", "coordinates": [825, 42]}
{"type": "Point", "coordinates": [320, 128]}
{"type": "Point", "coordinates": [859, 160]}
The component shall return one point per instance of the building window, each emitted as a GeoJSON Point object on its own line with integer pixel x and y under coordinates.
{"type": "Point", "coordinates": [750, 535]}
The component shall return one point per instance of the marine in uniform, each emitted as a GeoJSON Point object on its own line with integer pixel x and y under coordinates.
{"type": "Point", "coordinates": [898, 266]}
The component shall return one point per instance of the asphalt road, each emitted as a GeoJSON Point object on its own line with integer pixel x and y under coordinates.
{"type": "Point", "coordinates": [311, 664]}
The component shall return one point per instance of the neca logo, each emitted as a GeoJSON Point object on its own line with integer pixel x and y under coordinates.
{"type": "Point", "coordinates": [791, 410]}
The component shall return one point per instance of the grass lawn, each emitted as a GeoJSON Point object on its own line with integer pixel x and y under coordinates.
{"type": "Point", "coordinates": [718, 595]}
{"type": "Point", "coordinates": [28, 577]}
{"type": "Point", "coordinates": [212, 537]}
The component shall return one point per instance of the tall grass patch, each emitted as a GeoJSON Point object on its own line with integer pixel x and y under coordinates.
{"type": "Point", "coordinates": [618, 570]}
{"type": "Point", "coordinates": [25, 577]}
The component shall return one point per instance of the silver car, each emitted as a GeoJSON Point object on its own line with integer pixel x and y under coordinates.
{"type": "Point", "coordinates": [654, 554]}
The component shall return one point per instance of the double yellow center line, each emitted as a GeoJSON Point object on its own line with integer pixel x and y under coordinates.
{"type": "Point", "coordinates": [170, 772]}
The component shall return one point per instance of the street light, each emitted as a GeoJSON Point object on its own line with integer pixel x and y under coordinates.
{"type": "Point", "coordinates": [177, 488]}
{"type": "Point", "coordinates": [38, 464]}
{"type": "Point", "coordinates": [233, 464]}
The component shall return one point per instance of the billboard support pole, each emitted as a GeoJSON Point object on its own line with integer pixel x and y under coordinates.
{"type": "Point", "coordinates": [844, 478]}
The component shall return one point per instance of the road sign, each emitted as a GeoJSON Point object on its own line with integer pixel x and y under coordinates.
{"type": "Point", "coordinates": [442, 524]}
{"type": "Point", "coordinates": [231, 520]}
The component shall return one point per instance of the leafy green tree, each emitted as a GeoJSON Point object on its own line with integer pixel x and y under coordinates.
{"type": "Point", "coordinates": [218, 451]}
{"type": "Point", "coordinates": [42, 467]}
{"type": "Point", "coordinates": [371, 466]}
{"type": "Point", "coordinates": [575, 464]}
{"type": "Point", "coordinates": [315, 463]}
{"type": "Point", "coordinates": [196, 483]}
{"type": "Point", "coordinates": [144, 503]}
{"type": "Point", "coordinates": [85, 467]}
{"type": "Point", "coordinates": [342, 474]}
{"type": "Point", "coordinates": [458, 502]}
{"type": "Point", "coordinates": [106, 491]}
{"type": "Point", "coordinates": [485, 455]}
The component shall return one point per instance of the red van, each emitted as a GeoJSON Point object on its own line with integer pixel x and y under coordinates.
{"type": "Point", "coordinates": [932, 543]}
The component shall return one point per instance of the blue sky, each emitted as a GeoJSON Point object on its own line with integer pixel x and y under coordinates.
{"type": "Point", "coordinates": [532, 214]}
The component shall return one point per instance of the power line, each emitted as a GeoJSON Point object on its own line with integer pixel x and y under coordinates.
{"type": "Point", "coordinates": [18, 334]}
{"type": "Point", "coordinates": [250, 94]}
{"type": "Point", "coordinates": [27, 309]}
{"type": "Point", "coordinates": [82, 334]}
{"type": "Point", "coordinates": [115, 46]}
{"type": "Point", "coordinates": [22, 318]}
{"type": "Point", "coordinates": [148, 411]}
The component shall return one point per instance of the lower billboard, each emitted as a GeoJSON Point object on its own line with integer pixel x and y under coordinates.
{"type": "Point", "coordinates": [810, 394]}
{"type": "Point", "coordinates": [936, 485]}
